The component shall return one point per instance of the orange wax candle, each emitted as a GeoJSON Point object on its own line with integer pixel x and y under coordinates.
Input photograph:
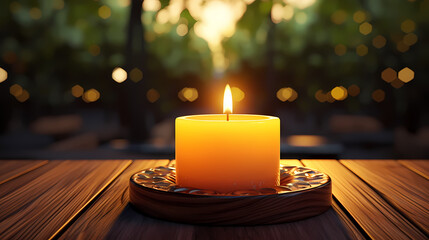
{"type": "Point", "coordinates": [240, 153]}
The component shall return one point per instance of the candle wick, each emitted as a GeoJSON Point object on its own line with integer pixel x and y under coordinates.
{"type": "Point", "coordinates": [227, 116]}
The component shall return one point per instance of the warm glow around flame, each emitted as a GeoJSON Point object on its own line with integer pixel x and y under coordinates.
{"type": "Point", "coordinates": [227, 100]}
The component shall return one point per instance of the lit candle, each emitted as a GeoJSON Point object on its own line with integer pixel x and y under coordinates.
{"type": "Point", "coordinates": [227, 152]}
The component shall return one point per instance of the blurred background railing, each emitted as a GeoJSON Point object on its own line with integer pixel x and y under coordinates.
{"type": "Point", "coordinates": [106, 78]}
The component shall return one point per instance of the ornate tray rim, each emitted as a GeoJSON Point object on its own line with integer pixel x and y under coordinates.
{"type": "Point", "coordinates": [228, 195]}
{"type": "Point", "coordinates": [230, 210]}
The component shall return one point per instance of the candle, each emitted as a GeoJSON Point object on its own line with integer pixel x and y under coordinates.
{"type": "Point", "coordinates": [227, 152]}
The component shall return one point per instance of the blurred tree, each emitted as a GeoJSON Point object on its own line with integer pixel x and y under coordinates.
{"type": "Point", "coordinates": [49, 46]}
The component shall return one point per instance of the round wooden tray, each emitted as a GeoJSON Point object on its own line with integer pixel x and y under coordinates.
{"type": "Point", "coordinates": [302, 193]}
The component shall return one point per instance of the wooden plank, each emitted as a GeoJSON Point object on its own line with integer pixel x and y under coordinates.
{"type": "Point", "coordinates": [10, 169]}
{"type": "Point", "coordinates": [111, 210]}
{"type": "Point", "coordinates": [10, 186]}
{"type": "Point", "coordinates": [353, 230]}
{"type": "Point", "coordinates": [420, 167]}
{"type": "Point", "coordinates": [401, 187]}
{"type": "Point", "coordinates": [354, 233]}
{"type": "Point", "coordinates": [328, 225]}
{"type": "Point", "coordinates": [325, 226]}
{"type": "Point", "coordinates": [332, 224]}
{"type": "Point", "coordinates": [375, 216]}
{"type": "Point", "coordinates": [172, 163]}
{"type": "Point", "coordinates": [112, 217]}
{"type": "Point", "coordinates": [43, 204]}
{"type": "Point", "coordinates": [290, 162]}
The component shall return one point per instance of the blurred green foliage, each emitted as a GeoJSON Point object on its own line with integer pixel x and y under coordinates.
{"type": "Point", "coordinates": [48, 46]}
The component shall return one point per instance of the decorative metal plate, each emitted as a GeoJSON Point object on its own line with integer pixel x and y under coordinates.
{"type": "Point", "coordinates": [292, 179]}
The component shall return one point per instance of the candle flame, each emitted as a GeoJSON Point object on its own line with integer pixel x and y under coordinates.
{"type": "Point", "coordinates": [227, 100]}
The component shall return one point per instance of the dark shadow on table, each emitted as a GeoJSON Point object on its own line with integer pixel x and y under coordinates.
{"type": "Point", "coordinates": [133, 224]}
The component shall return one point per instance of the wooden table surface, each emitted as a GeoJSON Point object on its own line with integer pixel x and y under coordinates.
{"type": "Point", "coordinates": [88, 199]}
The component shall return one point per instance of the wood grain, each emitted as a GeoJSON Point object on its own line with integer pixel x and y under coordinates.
{"type": "Point", "coordinates": [108, 210]}
{"type": "Point", "coordinates": [328, 225]}
{"type": "Point", "coordinates": [401, 187]}
{"type": "Point", "coordinates": [325, 226]}
{"type": "Point", "coordinates": [11, 186]}
{"type": "Point", "coordinates": [370, 211]}
{"type": "Point", "coordinates": [40, 206]}
{"type": "Point", "coordinates": [10, 169]}
{"type": "Point", "coordinates": [172, 163]}
{"type": "Point", "coordinates": [353, 232]}
{"type": "Point", "coordinates": [290, 162]}
{"type": "Point", "coordinates": [420, 167]}
{"type": "Point", "coordinates": [110, 217]}
{"type": "Point", "coordinates": [230, 210]}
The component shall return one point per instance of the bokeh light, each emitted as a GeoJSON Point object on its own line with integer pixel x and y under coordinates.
{"type": "Point", "coordinates": [119, 75]}
{"type": "Point", "coordinates": [353, 90]}
{"type": "Point", "coordinates": [216, 20]}
{"type": "Point", "coordinates": [277, 13]}
{"type": "Point", "coordinates": [286, 94]}
{"type": "Point", "coordinates": [182, 29]}
{"type": "Point", "coordinates": [237, 94]}
{"type": "Point", "coordinates": [306, 140]}
{"type": "Point", "coordinates": [15, 6]}
{"type": "Point", "coordinates": [379, 41]}
{"type": "Point", "coordinates": [294, 96]}
{"type": "Point", "coordinates": [406, 75]}
{"type": "Point", "coordinates": [15, 90]}
{"type": "Point", "coordinates": [188, 94]}
{"type": "Point", "coordinates": [24, 96]}
{"type": "Point", "coordinates": [77, 91]}
{"type": "Point", "coordinates": [359, 16]}
{"type": "Point", "coordinates": [410, 39]}
{"type": "Point", "coordinates": [388, 75]}
{"type": "Point", "coordinates": [151, 5]}
{"type": "Point", "coordinates": [19, 93]}
{"type": "Point", "coordinates": [402, 47]}
{"type": "Point", "coordinates": [162, 16]}
{"type": "Point", "coordinates": [136, 75]}
{"type": "Point", "coordinates": [329, 97]}
{"type": "Point", "coordinates": [320, 96]}
{"type": "Point", "coordinates": [378, 95]}
{"type": "Point", "coordinates": [339, 17]}
{"type": "Point", "coordinates": [408, 26]}
{"type": "Point", "coordinates": [339, 93]}
{"type": "Point", "coordinates": [152, 95]}
{"type": "Point", "coordinates": [361, 50]}
{"type": "Point", "coordinates": [124, 3]}
{"type": "Point", "coordinates": [301, 4]}
{"type": "Point", "coordinates": [340, 49]}
{"type": "Point", "coordinates": [3, 75]}
{"type": "Point", "coordinates": [397, 83]}
{"type": "Point", "coordinates": [91, 95]}
{"type": "Point", "coordinates": [35, 13]}
{"type": "Point", "coordinates": [365, 28]}
{"type": "Point", "coordinates": [288, 12]}
{"type": "Point", "coordinates": [58, 4]}
{"type": "Point", "coordinates": [104, 12]}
